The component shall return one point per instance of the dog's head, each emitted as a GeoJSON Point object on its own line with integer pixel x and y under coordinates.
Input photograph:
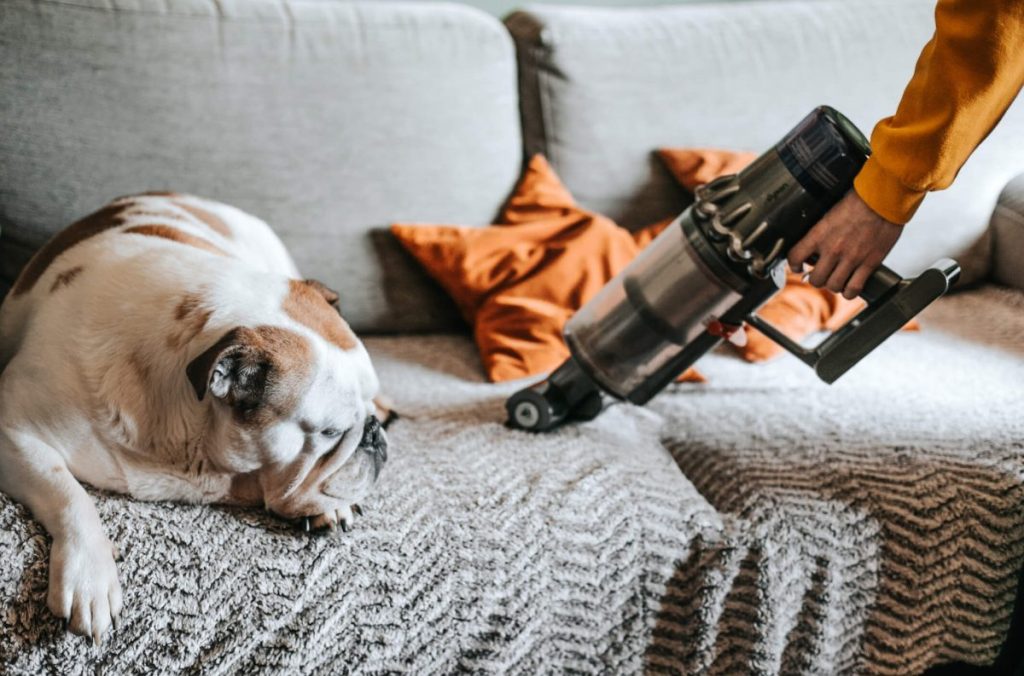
{"type": "Point", "coordinates": [293, 413]}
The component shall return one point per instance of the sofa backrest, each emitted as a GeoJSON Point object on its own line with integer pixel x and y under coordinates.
{"type": "Point", "coordinates": [601, 88]}
{"type": "Point", "coordinates": [327, 119]}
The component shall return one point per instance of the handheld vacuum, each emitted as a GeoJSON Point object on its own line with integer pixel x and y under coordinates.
{"type": "Point", "coordinates": [708, 273]}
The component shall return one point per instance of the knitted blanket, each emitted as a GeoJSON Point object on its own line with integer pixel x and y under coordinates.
{"type": "Point", "coordinates": [762, 522]}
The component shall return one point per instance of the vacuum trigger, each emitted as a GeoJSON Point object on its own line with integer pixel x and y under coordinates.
{"type": "Point", "coordinates": [734, 333]}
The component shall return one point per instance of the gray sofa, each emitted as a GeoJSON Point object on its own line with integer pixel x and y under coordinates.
{"type": "Point", "coordinates": [762, 522]}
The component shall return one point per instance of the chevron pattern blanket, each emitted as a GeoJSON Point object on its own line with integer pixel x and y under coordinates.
{"type": "Point", "coordinates": [760, 523]}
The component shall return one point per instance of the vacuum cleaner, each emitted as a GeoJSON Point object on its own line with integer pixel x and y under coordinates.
{"type": "Point", "coordinates": [707, 274]}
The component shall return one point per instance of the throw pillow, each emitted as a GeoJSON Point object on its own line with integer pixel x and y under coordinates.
{"type": "Point", "coordinates": [519, 280]}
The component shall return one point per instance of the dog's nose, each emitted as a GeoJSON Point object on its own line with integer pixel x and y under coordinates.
{"type": "Point", "coordinates": [374, 442]}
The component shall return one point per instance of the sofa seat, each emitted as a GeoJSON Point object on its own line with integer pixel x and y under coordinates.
{"type": "Point", "coordinates": [762, 521]}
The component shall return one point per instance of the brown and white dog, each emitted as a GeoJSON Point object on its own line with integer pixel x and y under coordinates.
{"type": "Point", "coordinates": [165, 347]}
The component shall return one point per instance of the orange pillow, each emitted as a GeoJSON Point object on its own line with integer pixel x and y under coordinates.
{"type": "Point", "coordinates": [800, 309]}
{"type": "Point", "coordinates": [693, 167]}
{"type": "Point", "coordinates": [518, 281]}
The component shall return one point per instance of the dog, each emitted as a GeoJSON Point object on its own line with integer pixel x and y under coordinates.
{"type": "Point", "coordinates": [166, 347]}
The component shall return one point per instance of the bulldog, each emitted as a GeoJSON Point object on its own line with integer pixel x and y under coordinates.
{"type": "Point", "coordinates": [165, 347]}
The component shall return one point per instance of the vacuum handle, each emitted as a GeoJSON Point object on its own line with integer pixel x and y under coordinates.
{"type": "Point", "coordinates": [882, 281]}
{"type": "Point", "coordinates": [892, 302]}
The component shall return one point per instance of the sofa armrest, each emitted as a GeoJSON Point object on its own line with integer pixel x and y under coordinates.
{"type": "Point", "coordinates": [1007, 229]}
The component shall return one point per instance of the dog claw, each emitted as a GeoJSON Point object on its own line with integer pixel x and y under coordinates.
{"type": "Point", "coordinates": [332, 519]}
{"type": "Point", "coordinates": [305, 524]}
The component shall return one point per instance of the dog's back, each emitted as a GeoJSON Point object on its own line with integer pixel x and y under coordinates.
{"type": "Point", "coordinates": [126, 251]}
{"type": "Point", "coordinates": [103, 315]}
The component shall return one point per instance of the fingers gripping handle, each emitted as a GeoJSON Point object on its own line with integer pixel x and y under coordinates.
{"type": "Point", "coordinates": [879, 284]}
{"type": "Point", "coordinates": [892, 302]}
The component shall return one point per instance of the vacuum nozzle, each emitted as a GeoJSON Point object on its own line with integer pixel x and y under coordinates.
{"type": "Point", "coordinates": [566, 394]}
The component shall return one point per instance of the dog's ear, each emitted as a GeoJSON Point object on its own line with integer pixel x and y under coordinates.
{"type": "Point", "coordinates": [234, 369]}
{"type": "Point", "coordinates": [329, 294]}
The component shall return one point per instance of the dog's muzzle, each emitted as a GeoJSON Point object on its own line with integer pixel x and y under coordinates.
{"type": "Point", "coordinates": [374, 443]}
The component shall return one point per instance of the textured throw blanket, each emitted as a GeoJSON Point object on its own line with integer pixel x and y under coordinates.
{"type": "Point", "coordinates": [763, 522]}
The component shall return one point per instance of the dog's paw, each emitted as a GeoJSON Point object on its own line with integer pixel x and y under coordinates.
{"type": "Point", "coordinates": [83, 586]}
{"type": "Point", "coordinates": [342, 517]}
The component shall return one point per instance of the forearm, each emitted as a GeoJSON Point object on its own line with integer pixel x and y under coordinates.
{"type": "Point", "coordinates": [965, 79]}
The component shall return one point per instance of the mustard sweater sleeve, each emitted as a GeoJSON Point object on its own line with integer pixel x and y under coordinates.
{"type": "Point", "coordinates": [965, 79]}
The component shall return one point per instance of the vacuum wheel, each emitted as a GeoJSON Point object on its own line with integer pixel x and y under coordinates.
{"type": "Point", "coordinates": [531, 410]}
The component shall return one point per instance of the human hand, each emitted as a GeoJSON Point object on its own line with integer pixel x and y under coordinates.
{"type": "Point", "coordinates": [851, 241]}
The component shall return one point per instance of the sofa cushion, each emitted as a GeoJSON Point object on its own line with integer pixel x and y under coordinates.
{"type": "Point", "coordinates": [327, 119]}
{"type": "Point", "coordinates": [1008, 234]}
{"type": "Point", "coordinates": [601, 88]}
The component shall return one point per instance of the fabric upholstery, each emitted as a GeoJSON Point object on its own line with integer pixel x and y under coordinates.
{"type": "Point", "coordinates": [800, 535]}
{"type": "Point", "coordinates": [1008, 235]}
{"type": "Point", "coordinates": [601, 88]}
{"type": "Point", "coordinates": [328, 120]}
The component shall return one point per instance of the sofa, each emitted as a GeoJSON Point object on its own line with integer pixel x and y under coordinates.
{"type": "Point", "coordinates": [761, 522]}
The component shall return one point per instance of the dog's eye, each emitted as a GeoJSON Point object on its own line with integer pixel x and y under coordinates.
{"type": "Point", "coordinates": [331, 433]}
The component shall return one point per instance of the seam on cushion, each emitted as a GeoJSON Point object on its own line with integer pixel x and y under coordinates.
{"type": "Point", "coordinates": [1009, 212]}
{"type": "Point", "coordinates": [220, 16]}
{"type": "Point", "coordinates": [288, 22]}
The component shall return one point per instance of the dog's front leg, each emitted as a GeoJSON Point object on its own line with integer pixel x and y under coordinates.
{"type": "Point", "coordinates": [83, 577]}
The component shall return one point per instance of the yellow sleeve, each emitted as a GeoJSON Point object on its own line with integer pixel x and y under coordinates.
{"type": "Point", "coordinates": [965, 79]}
